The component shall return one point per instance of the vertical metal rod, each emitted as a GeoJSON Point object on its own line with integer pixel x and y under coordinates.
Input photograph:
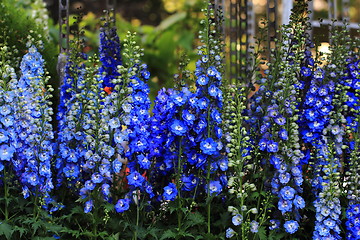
{"type": "Point", "coordinates": [331, 4]}
{"type": "Point", "coordinates": [243, 40]}
{"type": "Point", "coordinates": [64, 25]}
{"type": "Point", "coordinates": [250, 37]}
{"type": "Point", "coordinates": [64, 30]}
{"type": "Point", "coordinates": [311, 16]}
{"type": "Point", "coordinates": [233, 31]}
{"type": "Point", "coordinates": [272, 27]}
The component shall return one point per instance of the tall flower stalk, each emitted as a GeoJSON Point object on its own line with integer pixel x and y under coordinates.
{"type": "Point", "coordinates": [8, 103]}
{"type": "Point", "coordinates": [275, 113]}
{"type": "Point", "coordinates": [34, 130]}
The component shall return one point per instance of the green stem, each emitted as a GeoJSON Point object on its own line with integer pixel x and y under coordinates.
{"type": "Point", "coordinates": [137, 221]}
{"type": "Point", "coordinates": [95, 221]}
{"type": "Point", "coordinates": [6, 198]}
{"type": "Point", "coordinates": [208, 198]}
{"type": "Point", "coordinates": [179, 212]}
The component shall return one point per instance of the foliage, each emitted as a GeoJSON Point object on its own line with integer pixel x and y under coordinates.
{"type": "Point", "coordinates": [17, 25]}
{"type": "Point", "coordinates": [163, 44]}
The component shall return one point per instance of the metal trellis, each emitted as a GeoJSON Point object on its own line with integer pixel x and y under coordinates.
{"type": "Point", "coordinates": [241, 33]}
{"type": "Point", "coordinates": [63, 37]}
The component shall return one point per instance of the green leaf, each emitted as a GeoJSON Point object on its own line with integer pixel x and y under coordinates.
{"type": "Point", "coordinates": [6, 230]}
{"type": "Point", "coordinates": [35, 226]}
{"type": "Point", "coordinates": [43, 238]}
{"type": "Point", "coordinates": [262, 233]}
{"type": "Point", "coordinates": [168, 22]}
{"type": "Point", "coordinates": [20, 230]}
{"type": "Point", "coordinates": [168, 234]}
{"type": "Point", "coordinates": [194, 219]}
{"type": "Point", "coordinates": [209, 236]}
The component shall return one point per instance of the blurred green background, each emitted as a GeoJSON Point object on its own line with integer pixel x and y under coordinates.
{"type": "Point", "coordinates": [166, 28]}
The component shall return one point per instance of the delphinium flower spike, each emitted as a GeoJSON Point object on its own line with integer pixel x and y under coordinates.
{"type": "Point", "coordinates": [186, 127]}
{"type": "Point", "coordinates": [274, 113]}
{"type": "Point", "coordinates": [8, 83]}
{"type": "Point", "coordinates": [207, 134]}
{"type": "Point", "coordinates": [244, 178]}
{"type": "Point", "coordinates": [33, 128]}
{"type": "Point", "coordinates": [351, 86]}
{"type": "Point", "coordinates": [70, 117]}
{"type": "Point", "coordinates": [109, 53]}
{"type": "Point", "coordinates": [136, 120]}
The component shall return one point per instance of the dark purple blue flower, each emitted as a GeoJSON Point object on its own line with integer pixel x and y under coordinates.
{"type": "Point", "coordinates": [209, 146]}
{"type": "Point", "coordinates": [272, 146]}
{"type": "Point", "coordinates": [291, 226]}
{"type": "Point", "coordinates": [122, 205]}
{"type": "Point", "coordinates": [189, 182]}
{"type": "Point", "coordinates": [135, 179]}
{"type": "Point", "coordinates": [306, 72]}
{"type": "Point", "coordinates": [202, 80]}
{"type": "Point", "coordinates": [214, 187]}
{"type": "Point", "coordinates": [287, 193]}
{"type": "Point", "coordinates": [170, 192]}
{"type": "Point", "coordinates": [178, 127]}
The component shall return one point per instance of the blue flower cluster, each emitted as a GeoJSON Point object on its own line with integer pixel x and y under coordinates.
{"type": "Point", "coordinates": [352, 223]}
{"type": "Point", "coordinates": [352, 82]}
{"type": "Point", "coordinates": [162, 152]}
{"type": "Point", "coordinates": [110, 55]}
{"type": "Point", "coordinates": [174, 148]}
{"type": "Point", "coordinates": [70, 117]}
{"type": "Point", "coordinates": [8, 98]}
{"type": "Point", "coordinates": [317, 128]}
{"type": "Point", "coordinates": [34, 147]}
{"type": "Point", "coordinates": [273, 117]}
{"type": "Point", "coordinates": [316, 107]}
{"type": "Point", "coordinates": [186, 130]}
{"type": "Point", "coordinates": [137, 123]}
{"type": "Point", "coordinates": [98, 152]}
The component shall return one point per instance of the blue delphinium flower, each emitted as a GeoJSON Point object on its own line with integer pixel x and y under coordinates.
{"type": "Point", "coordinates": [275, 224]}
{"type": "Point", "coordinates": [70, 112]}
{"type": "Point", "coordinates": [254, 226]}
{"type": "Point", "coordinates": [170, 192]}
{"type": "Point", "coordinates": [122, 205]}
{"type": "Point", "coordinates": [178, 127]}
{"type": "Point", "coordinates": [209, 146]}
{"type": "Point", "coordinates": [8, 103]}
{"type": "Point", "coordinates": [291, 226]}
{"type": "Point", "coordinates": [138, 128]}
{"type": "Point", "coordinates": [110, 55]}
{"type": "Point", "coordinates": [230, 233]}
{"type": "Point", "coordinates": [186, 131]}
{"type": "Point", "coordinates": [215, 187]}
{"type": "Point", "coordinates": [33, 128]}
{"type": "Point", "coordinates": [273, 118]}
{"type": "Point", "coordinates": [351, 81]}
{"type": "Point", "coordinates": [322, 134]}
{"type": "Point", "coordinates": [237, 219]}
